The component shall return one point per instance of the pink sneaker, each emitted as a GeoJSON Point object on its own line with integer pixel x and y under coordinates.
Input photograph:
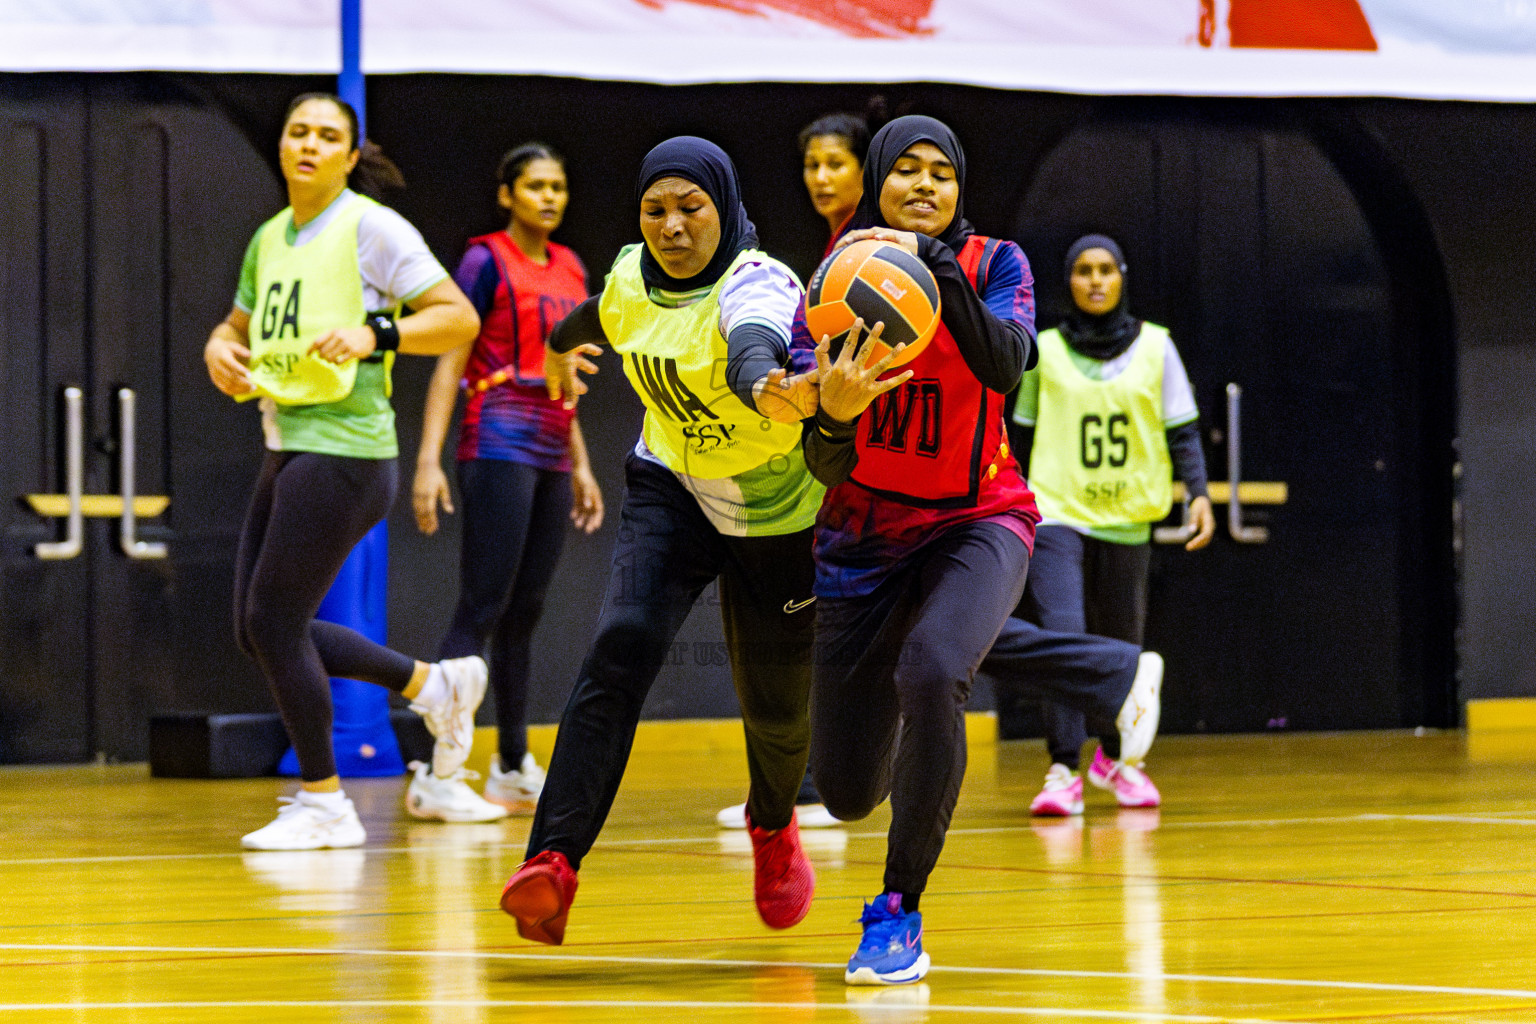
{"type": "Point", "coordinates": [1130, 784]}
{"type": "Point", "coordinates": [1062, 795]}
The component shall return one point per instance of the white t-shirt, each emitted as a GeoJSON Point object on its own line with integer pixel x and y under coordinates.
{"type": "Point", "coordinates": [395, 264]}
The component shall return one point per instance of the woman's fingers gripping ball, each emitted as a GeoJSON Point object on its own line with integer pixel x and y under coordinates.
{"type": "Point", "coordinates": [852, 381]}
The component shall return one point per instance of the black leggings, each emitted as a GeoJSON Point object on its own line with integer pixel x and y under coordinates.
{"type": "Point", "coordinates": [667, 554]}
{"type": "Point", "coordinates": [894, 670]}
{"type": "Point", "coordinates": [1080, 584]}
{"type": "Point", "coordinates": [306, 515]}
{"type": "Point", "coordinates": [515, 519]}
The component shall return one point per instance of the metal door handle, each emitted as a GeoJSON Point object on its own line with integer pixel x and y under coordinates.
{"type": "Point", "coordinates": [74, 481]}
{"type": "Point", "coordinates": [1178, 533]}
{"type": "Point", "coordinates": [128, 529]}
{"type": "Point", "coordinates": [1240, 533]}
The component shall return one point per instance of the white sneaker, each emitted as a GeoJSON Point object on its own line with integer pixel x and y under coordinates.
{"type": "Point", "coordinates": [1138, 716]}
{"type": "Point", "coordinates": [309, 822]}
{"type": "Point", "coordinates": [815, 816]}
{"type": "Point", "coordinates": [808, 816]}
{"type": "Point", "coordinates": [452, 720]}
{"type": "Point", "coordinates": [448, 799]}
{"type": "Point", "coordinates": [517, 791]}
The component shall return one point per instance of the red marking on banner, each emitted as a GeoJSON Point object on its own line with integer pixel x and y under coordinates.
{"type": "Point", "coordinates": [862, 18]}
{"type": "Point", "coordinates": [1300, 25]}
{"type": "Point", "coordinates": [1207, 22]}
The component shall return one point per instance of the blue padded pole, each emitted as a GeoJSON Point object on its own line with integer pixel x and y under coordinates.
{"type": "Point", "coordinates": [349, 84]}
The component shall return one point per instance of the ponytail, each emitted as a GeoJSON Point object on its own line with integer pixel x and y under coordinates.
{"type": "Point", "coordinates": [374, 172]}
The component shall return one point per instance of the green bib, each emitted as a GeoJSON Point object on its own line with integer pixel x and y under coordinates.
{"type": "Point", "coordinates": [302, 292]}
{"type": "Point", "coordinates": [676, 358]}
{"type": "Point", "coordinates": [1100, 456]}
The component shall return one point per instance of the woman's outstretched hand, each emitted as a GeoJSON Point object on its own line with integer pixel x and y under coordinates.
{"type": "Point", "coordinates": [560, 376]}
{"type": "Point", "coordinates": [851, 382]}
{"type": "Point", "coordinates": [786, 399]}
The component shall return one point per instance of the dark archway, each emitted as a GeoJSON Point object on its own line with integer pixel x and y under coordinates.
{"type": "Point", "coordinates": [1287, 255]}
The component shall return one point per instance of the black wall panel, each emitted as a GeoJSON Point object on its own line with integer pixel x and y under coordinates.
{"type": "Point", "coordinates": [1443, 189]}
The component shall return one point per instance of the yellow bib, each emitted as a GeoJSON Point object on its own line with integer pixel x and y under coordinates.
{"type": "Point", "coordinates": [1100, 456]}
{"type": "Point", "coordinates": [676, 358]}
{"type": "Point", "coordinates": [302, 292]}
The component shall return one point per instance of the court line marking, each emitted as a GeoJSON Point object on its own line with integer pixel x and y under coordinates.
{"type": "Point", "coordinates": [488, 849]}
{"type": "Point", "coordinates": [662, 961]}
{"type": "Point", "coordinates": [844, 1008]}
{"type": "Point", "coordinates": [731, 939]}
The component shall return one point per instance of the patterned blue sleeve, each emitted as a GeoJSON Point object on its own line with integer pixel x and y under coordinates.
{"type": "Point", "coordinates": [1011, 286]}
{"type": "Point", "coordinates": [802, 347]}
{"type": "Point", "coordinates": [478, 277]}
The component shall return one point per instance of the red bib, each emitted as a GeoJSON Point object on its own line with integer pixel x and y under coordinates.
{"type": "Point", "coordinates": [938, 441]}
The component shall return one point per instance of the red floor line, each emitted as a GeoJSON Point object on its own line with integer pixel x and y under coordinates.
{"type": "Point", "coordinates": [1112, 877]}
{"type": "Point", "coordinates": [1389, 1015]}
{"type": "Point", "coordinates": [1048, 926]}
{"type": "Point", "coordinates": [1305, 883]}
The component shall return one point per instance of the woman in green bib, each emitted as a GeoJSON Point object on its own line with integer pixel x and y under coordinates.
{"type": "Point", "coordinates": [716, 488]}
{"type": "Point", "coordinates": [313, 335]}
{"type": "Point", "coordinates": [1113, 419]}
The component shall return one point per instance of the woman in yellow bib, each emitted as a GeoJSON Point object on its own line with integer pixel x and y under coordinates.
{"type": "Point", "coordinates": [313, 335]}
{"type": "Point", "coordinates": [1113, 418]}
{"type": "Point", "coordinates": [716, 488]}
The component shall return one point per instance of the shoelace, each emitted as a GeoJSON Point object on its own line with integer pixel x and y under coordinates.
{"type": "Point", "coordinates": [1058, 780]}
{"type": "Point", "coordinates": [879, 927]}
{"type": "Point", "coordinates": [462, 775]}
{"type": "Point", "coordinates": [779, 855]}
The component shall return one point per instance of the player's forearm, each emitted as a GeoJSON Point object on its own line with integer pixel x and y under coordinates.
{"type": "Point", "coordinates": [442, 395]}
{"type": "Point", "coordinates": [830, 454]}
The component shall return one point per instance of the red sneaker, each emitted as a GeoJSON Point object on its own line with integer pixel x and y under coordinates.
{"type": "Point", "coordinates": [539, 895]}
{"type": "Point", "coordinates": [783, 881]}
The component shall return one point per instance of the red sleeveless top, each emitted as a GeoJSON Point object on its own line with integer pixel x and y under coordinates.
{"type": "Point", "coordinates": [932, 454]}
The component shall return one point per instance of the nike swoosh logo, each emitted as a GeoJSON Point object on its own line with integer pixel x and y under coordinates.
{"type": "Point", "coordinates": [790, 607]}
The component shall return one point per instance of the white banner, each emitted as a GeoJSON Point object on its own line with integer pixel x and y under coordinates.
{"type": "Point", "coordinates": [1452, 49]}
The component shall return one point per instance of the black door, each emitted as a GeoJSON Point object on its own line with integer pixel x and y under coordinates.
{"type": "Point", "coordinates": [129, 202]}
{"type": "Point", "coordinates": [1248, 241]}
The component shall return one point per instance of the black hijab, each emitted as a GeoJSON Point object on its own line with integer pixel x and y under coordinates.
{"type": "Point", "coordinates": [1101, 336]}
{"type": "Point", "coordinates": [704, 164]}
{"type": "Point", "coordinates": [886, 148]}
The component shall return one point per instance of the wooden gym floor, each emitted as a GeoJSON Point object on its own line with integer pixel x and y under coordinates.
{"type": "Point", "coordinates": [1359, 877]}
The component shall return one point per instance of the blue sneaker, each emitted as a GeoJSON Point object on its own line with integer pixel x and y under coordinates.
{"type": "Point", "coordinates": [891, 951]}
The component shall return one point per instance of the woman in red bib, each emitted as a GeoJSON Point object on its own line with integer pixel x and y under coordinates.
{"type": "Point", "coordinates": [923, 541]}
{"type": "Point", "coordinates": [522, 464]}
